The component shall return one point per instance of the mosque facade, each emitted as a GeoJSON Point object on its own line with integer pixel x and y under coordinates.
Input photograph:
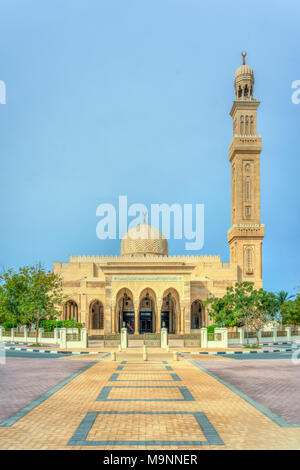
{"type": "Point", "coordinates": [145, 288]}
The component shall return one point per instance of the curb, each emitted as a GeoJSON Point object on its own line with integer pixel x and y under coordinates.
{"type": "Point", "coordinates": [49, 351]}
{"type": "Point", "coordinates": [222, 353]}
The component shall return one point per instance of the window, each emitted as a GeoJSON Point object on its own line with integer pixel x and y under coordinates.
{"type": "Point", "coordinates": [248, 189]}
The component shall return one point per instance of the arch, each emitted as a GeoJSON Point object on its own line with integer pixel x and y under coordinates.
{"type": "Point", "coordinates": [147, 318]}
{"type": "Point", "coordinates": [96, 316]}
{"type": "Point", "coordinates": [124, 310]}
{"type": "Point", "coordinates": [170, 310]}
{"type": "Point", "coordinates": [70, 310]}
{"type": "Point", "coordinates": [197, 314]}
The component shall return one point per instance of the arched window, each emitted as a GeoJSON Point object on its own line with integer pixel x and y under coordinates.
{"type": "Point", "coordinates": [197, 315]}
{"type": "Point", "coordinates": [247, 125]}
{"type": "Point", "coordinates": [252, 125]}
{"type": "Point", "coordinates": [97, 315]}
{"type": "Point", "coordinates": [242, 125]}
{"type": "Point", "coordinates": [71, 310]}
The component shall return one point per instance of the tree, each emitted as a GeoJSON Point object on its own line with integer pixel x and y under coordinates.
{"type": "Point", "coordinates": [282, 298]}
{"type": "Point", "coordinates": [30, 295]}
{"type": "Point", "coordinates": [290, 311]}
{"type": "Point", "coordinates": [12, 289]}
{"type": "Point", "coordinates": [242, 305]}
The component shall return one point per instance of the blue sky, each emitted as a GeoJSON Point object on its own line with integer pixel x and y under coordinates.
{"type": "Point", "coordinates": [115, 97]}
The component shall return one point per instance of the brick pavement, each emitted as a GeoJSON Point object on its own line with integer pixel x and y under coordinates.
{"type": "Point", "coordinates": [275, 384]}
{"type": "Point", "coordinates": [129, 415]}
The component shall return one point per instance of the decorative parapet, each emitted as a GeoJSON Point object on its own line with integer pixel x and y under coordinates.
{"type": "Point", "coordinates": [244, 143]}
{"type": "Point", "coordinates": [246, 230]}
{"type": "Point", "coordinates": [193, 259]}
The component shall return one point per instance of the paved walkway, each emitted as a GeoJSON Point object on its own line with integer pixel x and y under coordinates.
{"type": "Point", "coordinates": [131, 404]}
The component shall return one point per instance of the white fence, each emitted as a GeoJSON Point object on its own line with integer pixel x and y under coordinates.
{"type": "Point", "coordinates": [62, 337]}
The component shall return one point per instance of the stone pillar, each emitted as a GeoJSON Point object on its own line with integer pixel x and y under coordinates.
{"type": "Point", "coordinates": [274, 334]}
{"type": "Point", "coordinates": [12, 334]}
{"type": "Point", "coordinates": [63, 337]}
{"type": "Point", "coordinates": [159, 306]}
{"type": "Point", "coordinates": [1, 332]}
{"type": "Point", "coordinates": [83, 316]}
{"type": "Point", "coordinates": [163, 338]}
{"type": "Point", "coordinates": [108, 305]}
{"type": "Point", "coordinates": [224, 333]}
{"type": "Point", "coordinates": [288, 330]}
{"type": "Point", "coordinates": [56, 335]}
{"type": "Point", "coordinates": [84, 338]}
{"type": "Point", "coordinates": [136, 320]}
{"type": "Point", "coordinates": [241, 335]}
{"type": "Point", "coordinates": [40, 335]}
{"type": "Point", "coordinates": [203, 333]}
{"type": "Point", "coordinates": [124, 338]}
{"type": "Point", "coordinates": [25, 334]}
{"type": "Point", "coordinates": [182, 329]}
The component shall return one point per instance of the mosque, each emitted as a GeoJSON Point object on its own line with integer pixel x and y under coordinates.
{"type": "Point", "coordinates": [145, 288]}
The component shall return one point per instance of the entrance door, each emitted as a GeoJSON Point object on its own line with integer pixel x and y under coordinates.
{"type": "Point", "coordinates": [145, 322]}
{"type": "Point", "coordinates": [128, 319]}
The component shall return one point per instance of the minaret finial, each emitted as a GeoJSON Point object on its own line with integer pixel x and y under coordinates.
{"type": "Point", "coordinates": [244, 56]}
{"type": "Point", "coordinates": [144, 214]}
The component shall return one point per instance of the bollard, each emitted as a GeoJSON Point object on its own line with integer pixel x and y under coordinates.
{"type": "Point", "coordinates": [113, 356]}
{"type": "Point", "coordinates": [145, 356]}
{"type": "Point", "coordinates": [175, 356]}
{"type": "Point", "coordinates": [120, 349]}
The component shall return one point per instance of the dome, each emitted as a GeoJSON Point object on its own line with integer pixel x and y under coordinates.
{"type": "Point", "coordinates": [244, 70]}
{"type": "Point", "coordinates": [144, 240]}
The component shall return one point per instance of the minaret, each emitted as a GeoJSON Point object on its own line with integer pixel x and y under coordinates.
{"type": "Point", "coordinates": [246, 233]}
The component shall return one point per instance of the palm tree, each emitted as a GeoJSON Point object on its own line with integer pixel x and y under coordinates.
{"type": "Point", "coordinates": [282, 297]}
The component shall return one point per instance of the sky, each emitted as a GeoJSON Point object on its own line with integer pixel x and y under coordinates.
{"type": "Point", "coordinates": [111, 97]}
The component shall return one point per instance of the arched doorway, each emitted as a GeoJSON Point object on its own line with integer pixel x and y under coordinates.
{"type": "Point", "coordinates": [197, 315]}
{"type": "Point", "coordinates": [96, 315]}
{"type": "Point", "coordinates": [125, 311]}
{"type": "Point", "coordinates": [147, 313]}
{"type": "Point", "coordinates": [71, 310]}
{"type": "Point", "coordinates": [169, 312]}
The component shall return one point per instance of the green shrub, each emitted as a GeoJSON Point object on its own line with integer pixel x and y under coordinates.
{"type": "Point", "coordinates": [49, 325]}
{"type": "Point", "coordinates": [211, 328]}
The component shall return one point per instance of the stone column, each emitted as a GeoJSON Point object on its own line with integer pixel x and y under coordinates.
{"type": "Point", "coordinates": [182, 329]}
{"type": "Point", "coordinates": [108, 305]}
{"type": "Point", "coordinates": [159, 306]}
{"type": "Point", "coordinates": [1, 332]}
{"type": "Point", "coordinates": [136, 320]}
{"type": "Point", "coordinates": [12, 334]}
{"type": "Point", "coordinates": [113, 320]}
{"type": "Point", "coordinates": [25, 334]}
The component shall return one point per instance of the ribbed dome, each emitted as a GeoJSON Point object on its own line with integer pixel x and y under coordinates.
{"type": "Point", "coordinates": [244, 70]}
{"type": "Point", "coordinates": [144, 240]}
